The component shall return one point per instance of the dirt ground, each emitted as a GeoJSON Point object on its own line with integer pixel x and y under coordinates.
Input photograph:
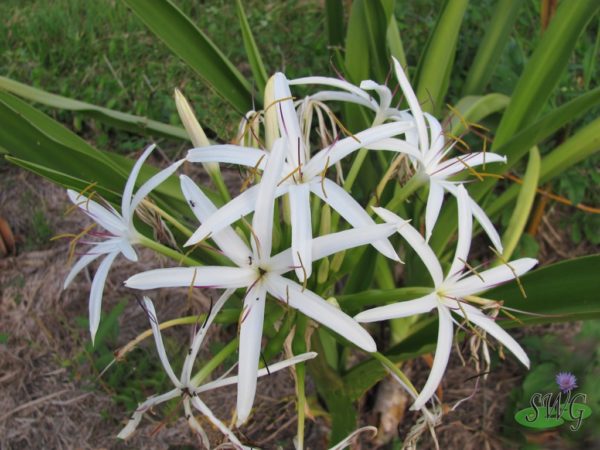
{"type": "Point", "coordinates": [47, 401]}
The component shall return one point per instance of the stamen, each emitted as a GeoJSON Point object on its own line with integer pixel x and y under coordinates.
{"type": "Point", "coordinates": [471, 269]}
{"type": "Point", "coordinates": [517, 279]}
{"type": "Point", "coordinates": [252, 175]}
{"type": "Point", "coordinates": [323, 176]}
{"type": "Point", "coordinates": [305, 281]}
{"type": "Point", "coordinates": [254, 235]}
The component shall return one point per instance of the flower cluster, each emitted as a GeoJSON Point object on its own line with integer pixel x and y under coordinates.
{"type": "Point", "coordinates": [293, 147]}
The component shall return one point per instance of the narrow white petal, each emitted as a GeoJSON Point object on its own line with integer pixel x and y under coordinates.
{"type": "Point", "coordinates": [261, 372]}
{"type": "Point", "coordinates": [480, 216]}
{"type": "Point", "coordinates": [319, 310]}
{"type": "Point", "coordinates": [436, 133]}
{"type": "Point", "coordinates": [333, 82]}
{"type": "Point", "coordinates": [128, 191]}
{"type": "Point", "coordinates": [396, 145]}
{"type": "Point", "coordinates": [299, 196]}
{"type": "Point", "coordinates": [417, 243]}
{"type": "Point", "coordinates": [487, 279]}
{"type": "Point", "coordinates": [288, 120]}
{"type": "Point", "coordinates": [336, 242]}
{"type": "Point", "coordinates": [336, 96]}
{"type": "Point", "coordinates": [434, 205]}
{"type": "Point", "coordinates": [351, 211]}
{"type": "Point", "coordinates": [251, 328]}
{"type": "Point", "coordinates": [193, 422]}
{"type": "Point", "coordinates": [385, 95]}
{"type": "Point", "coordinates": [414, 106]}
{"type": "Point", "coordinates": [127, 249]}
{"type": "Point", "coordinates": [79, 266]}
{"type": "Point", "coordinates": [205, 410]}
{"type": "Point", "coordinates": [150, 185]}
{"type": "Point", "coordinates": [109, 220]}
{"type": "Point", "coordinates": [206, 276]}
{"type": "Point", "coordinates": [440, 360]}
{"type": "Point", "coordinates": [96, 291]}
{"type": "Point", "coordinates": [344, 147]}
{"type": "Point", "coordinates": [188, 364]}
{"type": "Point", "coordinates": [142, 408]}
{"type": "Point", "coordinates": [227, 239]}
{"type": "Point", "coordinates": [465, 232]}
{"type": "Point", "coordinates": [348, 440]}
{"type": "Point", "coordinates": [456, 165]}
{"type": "Point", "coordinates": [237, 208]}
{"type": "Point", "coordinates": [262, 222]}
{"type": "Point", "coordinates": [160, 347]}
{"type": "Point", "coordinates": [400, 309]}
{"type": "Point", "coordinates": [488, 324]}
{"type": "Point", "coordinates": [229, 154]}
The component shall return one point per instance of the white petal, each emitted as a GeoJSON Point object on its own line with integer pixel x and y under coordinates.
{"type": "Point", "coordinates": [465, 232]}
{"type": "Point", "coordinates": [218, 277]}
{"type": "Point", "coordinates": [151, 184]}
{"type": "Point", "coordinates": [333, 82]}
{"type": "Point", "coordinates": [160, 347]}
{"type": "Point", "coordinates": [440, 360]}
{"type": "Point", "coordinates": [261, 372]}
{"type": "Point", "coordinates": [205, 410]}
{"type": "Point", "coordinates": [128, 191]}
{"type": "Point", "coordinates": [188, 364]}
{"type": "Point", "coordinates": [251, 328]}
{"type": "Point", "coordinates": [456, 165]}
{"type": "Point", "coordinates": [434, 205]}
{"type": "Point", "coordinates": [348, 440]}
{"type": "Point", "coordinates": [488, 324]}
{"type": "Point", "coordinates": [299, 196]}
{"type": "Point", "coordinates": [127, 249]}
{"type": "Point", "coordinates": [288, 120]}
{"type": "Point", "coordinates": [229, 154]}
{"type": "Point", "coordinates": [414, 105]}
{"type": "Point", "coordinates": [237, 208]}
{"type": "Point", "coordinates": [351, 211]}
{"type": "Point", "coordinates": [262, 222]}
{"type": "Point", "coordinates": [142, 408]}
{"type": "Point", "coordinates": [109, 220]}
{"type": "Point", "coordinates": [336, 242]}
{"type": "Point", "coordinates": [336, 96]}
{"type": "Point", "coordinates": [193, 422]}
{"type": "Point", "coordinates": [417, 243]}
{"type": "Point", "coordinates": [95, 305]}
{"type": "Point", "coordinates": [436, 133]}
{"type": "Point", "coordinates": [344, 147]}
{"type": "Point", "coordinates": [79, 265]}
{"type": "Point", "coordinates": [480, 216]}
{"type": "Point", "coordinates": [385, 95]}
{"type": "Point", "coordinates": [227, 239]}
{"type": "Point", "coordinates": [396, 145]}
{"type": "Point", "coordinates": [400, 309]}
{"type": "Point", "coordinates": [319, 310]}
{"type": "Point", "coordinates": [492, 277]}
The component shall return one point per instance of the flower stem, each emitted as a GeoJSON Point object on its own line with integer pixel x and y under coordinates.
{"type": "Point", "coordinates": [215, 176]}
{"type": "Point", "coordinates": [418, 180]}
{"type": "Point", "coordinates": [169, 218]}
{"type": "Point", "coordinates": [356, 165]}
{"type": "Point", "coordinates": [169, 252]}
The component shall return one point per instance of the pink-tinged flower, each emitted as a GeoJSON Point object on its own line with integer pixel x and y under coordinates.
{"type": "Point", "coordinates": [119, 236]}
{"type": "Point", "coordinates": [451, 293]}
{"type": "Point", "coordinates": [186, 388]}
{"type": "Point", "coordinates": [261, 274]}
{"type": "Point", "coordinates": [566, 381]}
{"type": "Point", "coordinates": [301, 175]}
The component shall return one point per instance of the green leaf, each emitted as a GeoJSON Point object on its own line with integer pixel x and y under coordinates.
{"type": "Point", "coordinates": [353, 303]}
{"type": "Point", "coordinates": [575, 149]}
{"type": "Point", "coordinates": [522, 209]}
{"type": "Point", "coordinates": [118, 119]}
{"type": "Point", "coordinates": [358, 58]}
{"type": "Point", "coordinates": [394, 41]}
{"type": "Point", "coordinates": [180, 34]}
{"type": "Point", "coordinates": [492, 46]}
{"type": "Point", "coordinates": [475, 108]}
{"type": "Point", "coordinates": [254, 58]}
{"type": "Point", "coordinates": [545, 67]}
{"type": "Point", "coordinates": [334, 14]}
{"type": "Point", "coordinates": [438, 57]}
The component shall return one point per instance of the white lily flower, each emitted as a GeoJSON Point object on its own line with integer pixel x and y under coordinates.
{"type": "Point", "coordinates": [300, 176]}
{"type": "Point", "coordinates": [120, 235]}
{"type": "Point", "coordinates": [185, 388]}
{"type": "Point", "coordinates": [260, 273]}
{"type": "Point", "coordinates": [451, 293]}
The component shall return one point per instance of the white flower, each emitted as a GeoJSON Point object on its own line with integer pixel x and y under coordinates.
{"type": "Point", "coordinates": [185, 388]}
{"type": "Point", "coordinates": [451, 293]}
{"type": "Point", "coordinates": [300, 176]}
{"type": "Point", "coordinates": [426, 148]}
{"type": "Point", "coordinates": [120, 234]}
{"type": "Point", "coordinates": [260, 274]}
